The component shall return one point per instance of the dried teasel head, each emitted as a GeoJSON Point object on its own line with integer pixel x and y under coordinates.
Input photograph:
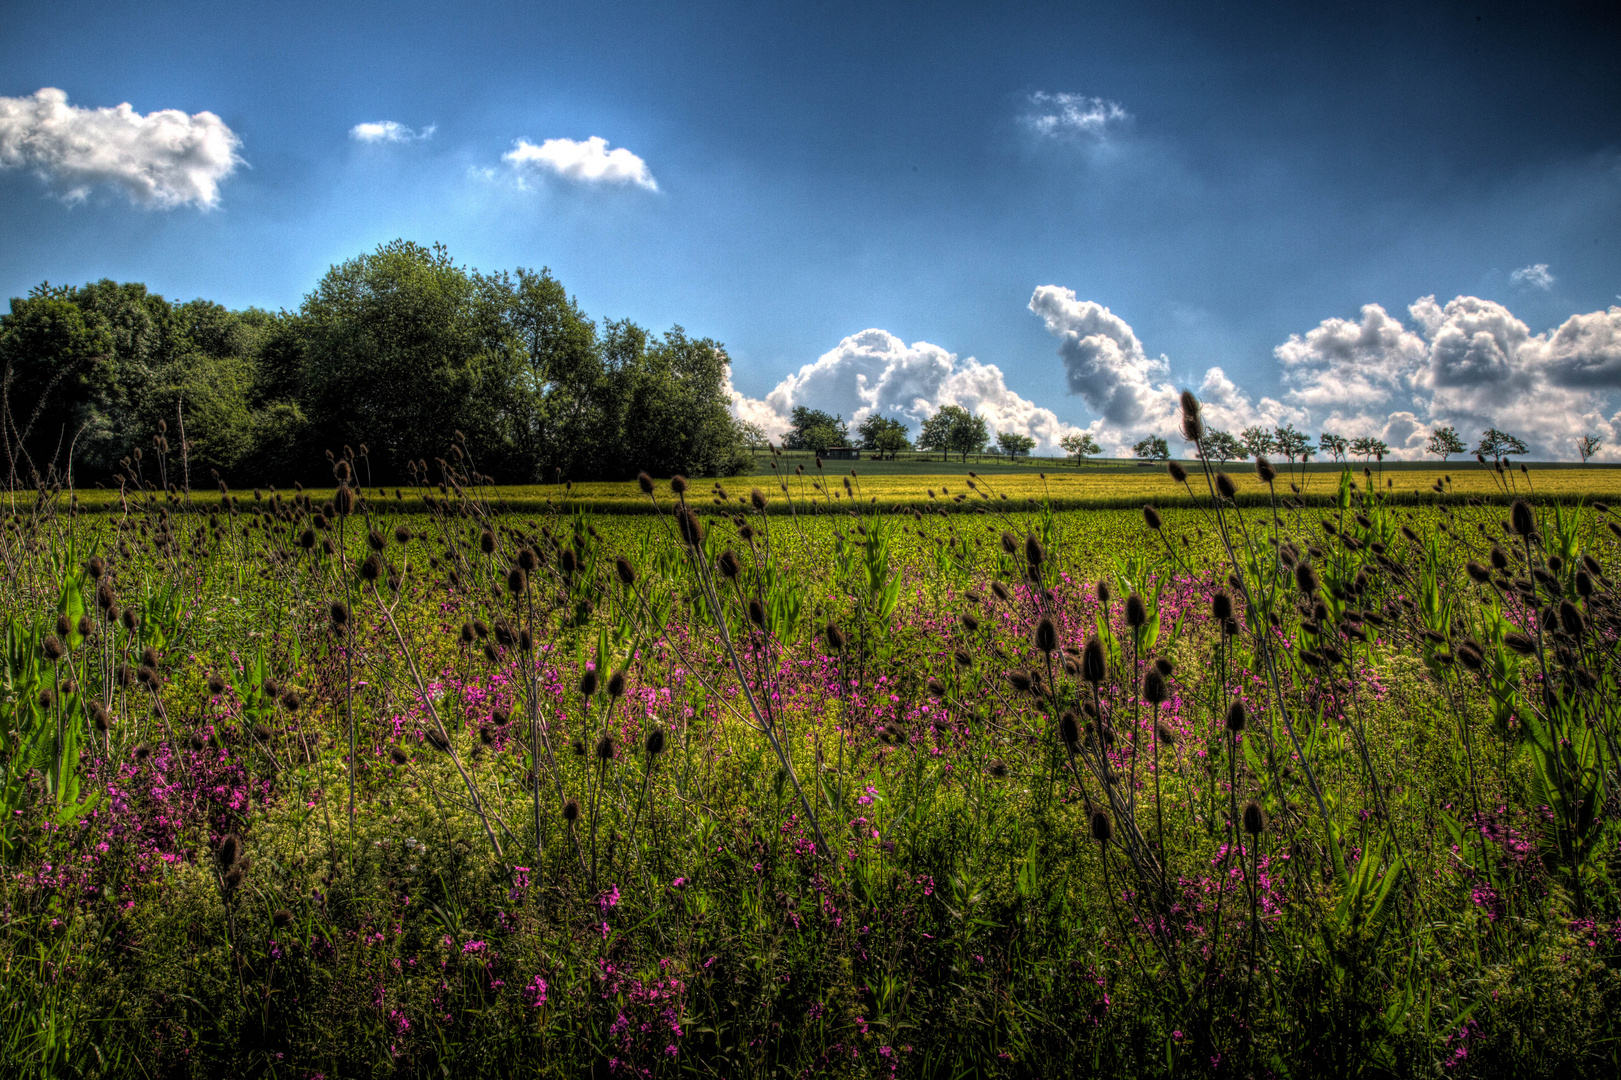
{"type": "Point", "coordinates": [1151, 517]}
{"type": "Point", "coordinates": [606, 748]}
{"type": "Point", "coordinates": [728, 563]}
{"type": "Point", "coordinates": [588, 682]}
{"type": "Point", "coordinates": [1102, 827]}
{"type": "Point", "coordinates": [835, 637]}
{"type": "Point", "coordinates": [645, 482]}
{"type": "Point", "coordinates": [1192, 420]}
{"type": "Point", "coordinates": [1046, 636]}
{"type": "Point", "coordinates": [372, 568]}
{"type": "Point", "coordinates": [1179, 475]}
{"type": "Point", "coordinates": [1264, 469]}
{"type": "Point", "coordinates": [1136, 611]}
{"type": "Point", "coordinates": [571, 811]}
{"type": "Point", "coordinates": [626, 572]}
{"type": "Point", "coordinates": [1165, 733]}
{"type": "Point", "coordinates": [757, 499]}
{"type": "Point", "coordinates": [678, 484]}
{"type": "Point", "coordinates": [1164, 666]}
{"type": "Point", "coordinates": [1570, 618]}
{"type": "Point", "coordinates": [1224, 486]}
{"type": "Point", "coordinates": [1237, 716]}
{"type": "Point", "coordinates": [1154, 687]}
{"type": "Point", "coordinates": [654, 743]}
{"type": "Point", "coordinates": [1094, 661]}
{"type": "Point", "coordinates": [1254, 818]}
{"type": "Point", "coordinates": [1069, 730]}
{"type": "Point", "coordinates": [616, 684]}
{"type": "Point", "coordinates": [1521, 518]}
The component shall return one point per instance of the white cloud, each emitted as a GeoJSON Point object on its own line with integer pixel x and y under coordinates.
{"type": "Point", "coordinates": [586, 162]}
{"type": "Point", "coordinates": [1073, 116]}
{"type": "Point", "coordinates": [876, 372]}
{"type": "Point", "coordinates": [1535, 276]}
{"type": "Point", "coordinates": [392, 131]}
{"type": "Point", "coordinates": [163, 159]}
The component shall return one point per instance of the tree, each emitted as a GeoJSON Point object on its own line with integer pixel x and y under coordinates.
{"type": "Point", "coordinates": [1367, 447]}
{"type": "Point", "coordinates": [883, 435]}
{"type": "Point", "coordinates": [954, 430]}
{"type": "Point", "coordinates": [1333, 444]}
{"type": "Point", "coordinates": [1292, 444]}
{"type": "Point", "coordinates": [1079, 445]}
{"type": "Point", "coordinates": [1013, 444]}
{"type": "Point", "coordinates": [1152, 448]}
{"type": "Point", "coordinates": [814, 430]}
{"type": "Point", "coordinates": [1496, 444]}
{"type": "Point", "coordinates": [1221, 446]}
{"type": "Point", "coordinates": [1588, 445]}
{"type": "Point", "coordinates": [1444, 442]}
{"type": "Point", "coordinates": [1259, 441]}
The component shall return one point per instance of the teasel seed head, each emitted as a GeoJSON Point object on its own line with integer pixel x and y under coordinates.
{"type": "Point", "coordinates": [963, 658]}
{"type": "Point", "coordinates": [339, 612]}
{"type": "Point", "coordinates": [1179, 475]}
{"type": "Point", "coordinates": [1034, 554]}
{"type": "Point", "coordinates": [1254, 818]}
{"type": "Point", "coordinates": [1165, 733]}
{"type": "Point", "coordinates": [1000, 591]}
{"type": "Point", "coordinates": [229, 851]}
{"type": "Point", "coordinates": [678, 484]}
{"type": "Point", "coordinates": [691, 529]}
{"type": "Point", "coordinates": [1584, 584]}
{"type": "Point", "coordinates": [654, 744]}
{"type": "Point", "coordinates": [398, 756]}
{"type": "Point", "coordinates": [626, 572]}
{"type": "Point", "coordinates": [1103, 591]}
{"type": "Point", "coordinates": [216, 685]}
{"type": "Point", "coordinates": [1151, 517]}
{"type": "Point", "coordinates": [1521, 518]}
{"type": "Point", "coordinates": [1165, 668]}
{"type": "Point", "coordinates": [402, 535]}
{"type": "Point", "coordinates": [1010, 543]}
{"type": "Point", "coordinates": [1154, 687]}
{"type": "Point", "coordinates": [1224, 486]}
{"type": "Point", "coordinates": [1499, 558]}
{"type": "Point", "coordinates": [344, 500]}
{"type": "Point", "coordinates": [1306, 579]}
{"type": "Point", "coordinates": [1136, 611]}
{"type": "Point", "coordinates": [1237, 716]}
{"type": "Point", "coordinates": [757, 612]}
{"type": "Point", "coordinates": [1094, 661]}
{"type": "Point", "coordinates": [1477, 573]}
{"type": "Point", "coordinates": [96, 566]}
{"type": "Point", "coordinates": [1192, 421]}
{"type": "Point", "coordinates": [1020, 681]}
{"type": "Point", "coordinates": [517, 581]}
{"type": "Point", "coordinates": [1046, 636]}
{"type": "Point", "coordinates": [728, 563]}
{"type": "Point", "coordinates": [616, 684]}
{"type": "Point", "coordinates": [1264, 469]}
{"type": "Point", "coordinates": [1069, 730]}
{"type": "Point", "coordinates": [53, 648]}
{"type": "Point", "coordinates": [372, 568]}
{"type": "Point", "coordinates": [645, 482]}
{"type": "Point", "coordinates": [605, 748]}
{"type": "Point", "coordinates": [1570, 617]}
{"type": "Point", "coordinates": [571, 811]}
{"type": "Point", "coordinates": [588, 682]}
{"type": "Point", "coordinates": [757, 499]}
{"type": "Point", "coordinates": [528, 561]}
{"type": "Point", "coordinates": [1102, 827]}
{"type": "Point", "coordinates": [835, 637]}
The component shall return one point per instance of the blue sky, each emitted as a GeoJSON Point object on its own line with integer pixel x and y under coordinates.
{"type": "Point", "coordinates": [1217, 181]}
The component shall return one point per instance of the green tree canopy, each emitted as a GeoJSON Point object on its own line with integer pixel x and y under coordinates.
{"type": "Point", "coordinates": [883, 435]}
{"type": "Point", "coordinates": [1444, 442]}
{"type": "Point", "coordinates": [814, 430]}
{"type": "Point", "coordinates": [1080, 445]}
{"type": "Point", "coordinates": [954, 430]}
{"type": "Point", "coordinates": [1013, 444]}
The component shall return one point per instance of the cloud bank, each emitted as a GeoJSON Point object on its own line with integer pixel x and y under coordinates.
{"type": "Point", "coordinates": [164, 159]}
{"type": "Point", "coordinates": [588, 162]}
{"type": "Point", "coordinates": [876, 372]}
{"type": "Point", "coordinates": [390, 131]}
{"type": "Point", "coordinates": [1469, 364]}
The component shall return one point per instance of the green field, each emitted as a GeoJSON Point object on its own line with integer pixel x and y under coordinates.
{"type": "Point", "coordinates": [294, 787]}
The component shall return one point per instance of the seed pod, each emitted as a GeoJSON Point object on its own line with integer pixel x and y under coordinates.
{"type": "Point", "coordinates": [53, 648]}
{"type": "Point", "coordinates": [1254, 818]}
{"type": "Point", "coordinates": [528, 561]}
{"type": "Point", "coordinates": [100, 716]}
{"type": "Point", "coordinates": [588, 682]}
{"type": "Point", "coordinates": [96, 566]}
{"type": "Point", "coordinates": [835, 638]}
{"type": "Point", "coordinates": [1264, 469]}
{"type": "Point", "coordinates": [1192, 422]}
{"type": "Point", "coordinates": [1520, 643]}
{"type": "Point", "coordinates": [1178, 473]}
{"type": "Point", "coordinates": [645, 482]}
{"type": "Point", "coordinates": [969, 623]}
{"type": "Point", "coordinates": [757, 613]}
{"type": "Point", "coordinates": [962, 658]}
{"type": "Point", "coordinates": [1094, 662]}
{"type": "Point", "coordinates": [402, 535]}
{"type": "Point", "coordinates": [1020, 681]}
{"type": "Point", "coordinates": [729, 566]}
{"type": "Point", "coordinates": [1224, 486]}
{"type": "Point", "coordinates": [690, 528]}
{"type": "Point", "coordinates": [1570, 617]}
{"type": "Point", "coordinates": [340, 613]}
{"type": "Point", "coordinates": [571, 811]}
{"type": "Point", "coordinates": [936, 687]}
{"type": "Point", "coordinates": [1010, 543]}
{"type": "Point", "coordinates": [757, 499]}
{"type": "Point", "coordinates": [1034, 554]}
{"type": "Point", "coordinates": [1237, 716]}
{"type": "Point", "coordinates": [216, 685]}
{"type": "Point", "coordinates": [517, 581]}
{"type": "Point", "coordinates": [282, 919]}
{"type": "Point", "coordinates": [678, 484]}
{"type": "Point", "coordinates": [1000, 590]}
{"type": "Point", "coordinates": [229, 851]}
{"type": "Point", "coordinates": [997, 768]}
{"type": "Point", "coordinates": [398, 756]}
{"type": "Point", "coordinates": [1151, 517]}
{"type": "Point", "coordinates": [626, 572]}
{"type": "Point", "coordinates": [1477, 573]}
{"type": "Point", "coordinates": [1164, 667]}
{"type": "Point", "coordinates": [1068, 730]}
{"type": "Point", "coordinates": [1165, 733]}
{"type": "Point", "coordinates": [1103, 591]}
{"type": "Point", "coordinates": [1521, 518]}
{"type": "Point", "coordinates": [344, 500]}
{"type": "Point", "coordinates": [605, 748]}
{"type": "Point", "coordinates": [1154, 687]}
{"type": "Point", "coordinates": [1306, 579]}
{"type": "Point", "coordinates": [486, 542]}
{"type": "Point", "coordinates": [1136, 612]}
{"type": "Point", "coordinates": [1102, 827]}
{"type": "Point", "coordinates": [567, 562]}
{"type": "Point", "coordinates": [1499, 558]}
{"type": "Point", "coordinates": [1046, 636]}
{"type": "Point", "coordinates": [616, 684]}
{"type": "Point", "coordinates": [436, 740]}
{"type": "Point", "coordinates": [1221, 607]}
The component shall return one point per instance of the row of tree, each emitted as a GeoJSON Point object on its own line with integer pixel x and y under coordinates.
{"type": "Point", "coordinates": [396, 350]}
{"type": "Point", "coordinates": [1291, 445]}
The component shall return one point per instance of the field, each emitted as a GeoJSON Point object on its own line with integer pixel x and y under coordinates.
{"type": "Point", "coordinates": [820, 783]}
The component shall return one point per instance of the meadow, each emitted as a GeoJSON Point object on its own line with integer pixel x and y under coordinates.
{"type": "Point", "coordinates": [455, 780]}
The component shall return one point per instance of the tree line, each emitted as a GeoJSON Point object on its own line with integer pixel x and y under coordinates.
{"type": "Point", "coordinates": [400, 351]}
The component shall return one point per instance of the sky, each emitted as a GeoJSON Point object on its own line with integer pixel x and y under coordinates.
{"type": "Point", "coordinates": [1373, 220]}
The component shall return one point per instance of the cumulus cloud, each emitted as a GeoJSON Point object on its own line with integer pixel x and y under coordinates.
{"type": "Point", "coordinates": [163, 159]}
{"type": "Point", "coordinates": [390, 131]}
{"type": "Point", "coordinates": [875, 372]}
{"type": "Point", "coordinates": [1469, 363]}
{"type": "Point", "coordinates": [589, 162]}
{"type": "Point", "coordinates": [1073, 116]}
{"type": "Point", "coordinates": [1535, 276]}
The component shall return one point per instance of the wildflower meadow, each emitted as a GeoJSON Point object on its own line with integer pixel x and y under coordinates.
{"type": "Point", "coordinates": [771, 779]}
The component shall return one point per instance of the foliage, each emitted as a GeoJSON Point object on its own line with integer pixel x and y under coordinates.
{"type": "Point", "coordinates": [1496, 444]}
{"type": "Point", "coordinates": [1152, 448]}
{"type": "Point", "coordinates": [1080, 445]}
{"type": "Point", "coordinates": [883, 435]}
{"type": "Point", "coordinates": [814, 430]}
{"type": "Point", "coordinates": [954, 430]}
{"type": "Point", "coordinates": [1013, 444]}
{"type": "Point", "coordinates": [1444, 442]}
{"type": "Point", "coordinates": [1221, 446]}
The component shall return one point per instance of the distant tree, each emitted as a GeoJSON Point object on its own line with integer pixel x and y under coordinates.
{"type": "Point", "coordinates": [1334, 445]}
{"type": "Point", "coordinates": [1444, 442]}
{"type": "Point", "coordinates": [954, 430]}
{"type": "Point", "coordinates": [1588, 445]}
{"type": "Point", "coordinates": [1080, 445]}
{"type": "Point", "coordinates": [1293, 445]}
{"type": "Point", "coordinates": [1221, 446]}
{"type": "Point", "coordinates": [1013, 444]}
{"type": "Point", "coordinates": [1152, 448]}
{"type": "Point", "coordinates": [1367, 447]}
{"type": "Point", "coordinates": [883, 435]}
{"type": "Point", "coordinates": [1259, 441]}
{"type": "Point", "coordinates": [1497, 444]}
{"type": "Point", "coordinates": [814, 430]}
